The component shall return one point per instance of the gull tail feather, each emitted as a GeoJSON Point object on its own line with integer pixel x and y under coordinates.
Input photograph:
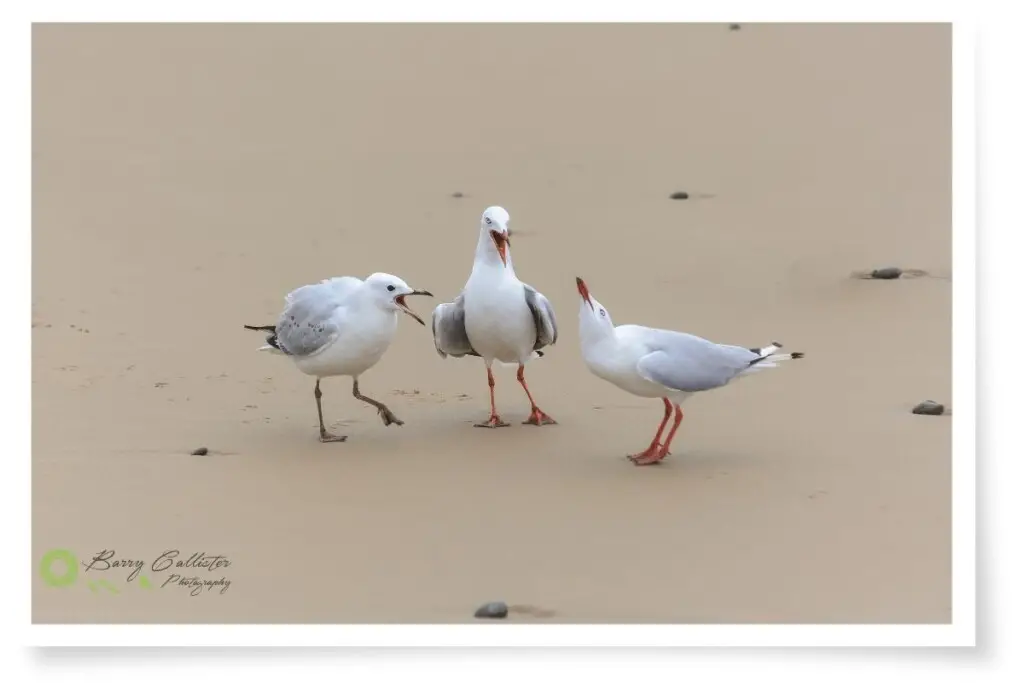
{"type": "Point", "coordinates": [769, 355]}
{"type": "Point", "coordinates": [271, 349]}
{"type": "Point", "coordinates": [271, 346]}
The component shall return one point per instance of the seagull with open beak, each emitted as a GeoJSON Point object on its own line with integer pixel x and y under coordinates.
{"type": "Point", "coordinates": [497, 316]}
{"type": "Point", "coordinates": [341, 327]}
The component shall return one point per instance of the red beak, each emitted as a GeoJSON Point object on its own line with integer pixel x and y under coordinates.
{"type": "Point", "coordinates": [584, 292]}
{"type": "Point", "coordinates": [501, 243]}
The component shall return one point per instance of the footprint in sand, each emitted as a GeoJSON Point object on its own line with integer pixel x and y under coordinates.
{"type": "Point", "coordinates": [433, 397]}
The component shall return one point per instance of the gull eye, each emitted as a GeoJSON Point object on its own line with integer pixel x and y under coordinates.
{"type": "Point", "coordinates": [391, 288]}
{"type": "Point", "coordinates": [487, 220]}
{"type": "Point", "coordinates": [602, 313]}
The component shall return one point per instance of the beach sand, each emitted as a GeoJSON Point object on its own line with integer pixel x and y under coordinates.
{"type": "Point", "coordinates": [186, 177]}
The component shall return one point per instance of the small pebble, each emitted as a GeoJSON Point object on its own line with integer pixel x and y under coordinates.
{"type": "Point", "coordinates": [679, 195]}
{"type": "Point", "coordinates": [886, 273]}
{"type": "Point", "coordinates": [492, 610]}
{"type": "Point", "coordinates": [734, 27]}
{"type": "Point", "coordinates": [201, 451]}
{"type": "Point", "coordinates": [457, 195]}
{"type": "Point", "coordinates": [929, 408]}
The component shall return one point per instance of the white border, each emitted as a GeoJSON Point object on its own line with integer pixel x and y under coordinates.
{"type": "Point", "coordinates": [475, 10]}
{"type": "Point", "coordinates": [960, 633]}
{"type": "Point", "coordinates": [963, 474]}
{"type": "Point", "coordinates": [506, 635]}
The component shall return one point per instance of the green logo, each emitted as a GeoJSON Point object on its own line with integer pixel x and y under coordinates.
{"type": "Point", "coordinates": [59, 568]}
{"type": "Point", "coordinates": [58, 557]}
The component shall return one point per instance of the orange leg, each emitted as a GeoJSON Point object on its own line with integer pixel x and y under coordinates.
{"type": "Point", "coordinates": [537, 416]}
{"type": "Point", "coordinates": [652, 450]}
{"type": "Point", "coordinates": [660, 454]}
{"type": "Point", "coordinates": [495, 420]}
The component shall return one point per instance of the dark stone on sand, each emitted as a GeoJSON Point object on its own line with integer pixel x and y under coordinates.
{"type": "Point", "coordinates": [929, 408]}
{"type": "Point", "coordinates": [679, 195]}
{"type": "Point", "coordinates": [492, 610]}
{"type": "Point", "coordinates": [886, 273]}
{"type": "Point", "coordinates": [734, 27]}
{"type": "Point", "coordinates": [203, 450]}
{"type": "Point", "coordinates": [457, 195]}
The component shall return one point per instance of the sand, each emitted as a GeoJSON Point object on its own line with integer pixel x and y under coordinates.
{"type": "Point", "coordinates": [186, 177]}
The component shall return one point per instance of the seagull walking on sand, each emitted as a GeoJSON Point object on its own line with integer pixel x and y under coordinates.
{"type": "Point", "coordinates": [341, 326]}
{"type": "Point", "coordinates": [497, 316]}
{"type": "Point", "coordinates": [656, 363]}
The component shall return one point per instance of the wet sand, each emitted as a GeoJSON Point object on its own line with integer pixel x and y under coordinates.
{"type": "Point", "coordinates": [186, 177]}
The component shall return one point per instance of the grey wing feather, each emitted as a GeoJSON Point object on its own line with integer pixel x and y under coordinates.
{"type": "Point", "coordinates": [543, 317]}
{"type": "Point", "coordinates": [309, 321]}
{"type": "Point", "coordinates": [448, 324]}
{"type": "Point", "coordinates": [687, 363]}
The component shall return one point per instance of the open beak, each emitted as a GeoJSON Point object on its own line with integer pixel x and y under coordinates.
{"type": "Point", "coordinates": [501, 244]}
{"type": "Point", "coordinates": [584, 292]}
{"type": "Point", "coordinates": [400, 300]}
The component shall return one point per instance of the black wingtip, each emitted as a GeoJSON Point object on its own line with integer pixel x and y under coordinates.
{"type": "Point", "coordinates": [797, 354]}
{"type": "Point", "coordinates": [271, 338]}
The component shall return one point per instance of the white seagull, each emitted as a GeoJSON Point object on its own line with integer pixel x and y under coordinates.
{"type": "Point", "coordinates": [341, 326]}
{"type": "Point", "coordinates": [663, 364]}
{"type": "Point", "coordinates": [496, 317]}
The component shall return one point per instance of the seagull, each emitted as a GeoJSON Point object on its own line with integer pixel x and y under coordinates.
{"type": "Point", "coordinates": [341, 326]}
{"type": "Point", "coordinates": [497, 316]}
{"type": "Point", "coordinates": [656, 363]}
